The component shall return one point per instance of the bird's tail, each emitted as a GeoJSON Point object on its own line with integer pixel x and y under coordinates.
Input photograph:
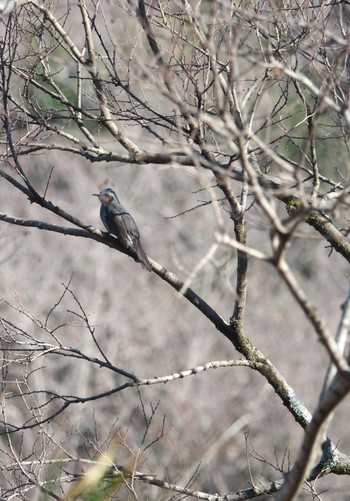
{"type": "Point", "coordinates": [142, 256]}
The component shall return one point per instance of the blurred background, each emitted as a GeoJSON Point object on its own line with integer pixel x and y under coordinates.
{"type": "Point", "coordinates": [200, 431]}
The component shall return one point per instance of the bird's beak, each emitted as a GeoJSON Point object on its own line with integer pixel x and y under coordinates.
{"type": "Point", "coordinates": [95, 194]}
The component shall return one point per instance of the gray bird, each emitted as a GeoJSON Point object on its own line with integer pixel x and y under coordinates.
{"type": "Point", "coordinates": [118, 221]}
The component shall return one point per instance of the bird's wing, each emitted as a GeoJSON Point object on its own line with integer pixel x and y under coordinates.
{"type": "Point", "coordinates": [120, 229]}
{"type": "Point", "coordinates": [126, 228]}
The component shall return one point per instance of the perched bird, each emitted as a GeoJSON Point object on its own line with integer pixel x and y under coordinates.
{"type": "Point", "coordinates": [118, 221]}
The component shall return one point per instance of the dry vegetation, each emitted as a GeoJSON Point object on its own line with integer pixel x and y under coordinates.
{"type": "Point", "coordinates": [224, 128]}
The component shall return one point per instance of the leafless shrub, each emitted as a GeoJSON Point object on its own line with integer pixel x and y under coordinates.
{"type": "Point", "coordinates": [225, 125]}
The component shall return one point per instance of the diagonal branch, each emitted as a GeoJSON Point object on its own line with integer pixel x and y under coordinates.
{"type": "Point", "coordinates": [256, 359]}
{"type": "Point", "coordinates": [339, 388]}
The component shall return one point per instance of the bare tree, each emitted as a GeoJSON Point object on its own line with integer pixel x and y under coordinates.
{"type": "Point", "coordinates": [226, 127]}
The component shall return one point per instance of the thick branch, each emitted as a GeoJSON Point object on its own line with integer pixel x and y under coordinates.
{"type": "Point", "coordinates": [339, 388]}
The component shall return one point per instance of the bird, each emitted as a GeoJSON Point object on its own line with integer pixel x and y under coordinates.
{"type": "Point", "coordinates": [119, 222]}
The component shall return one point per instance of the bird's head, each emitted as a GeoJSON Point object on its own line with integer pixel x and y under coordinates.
{"type": "Point", "coordinates": [106, 196]}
